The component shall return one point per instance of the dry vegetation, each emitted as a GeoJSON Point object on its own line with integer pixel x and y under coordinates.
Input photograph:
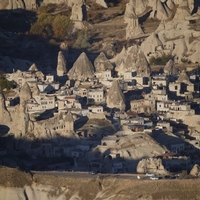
{"type": "Point", "coordinates": [118, 189]}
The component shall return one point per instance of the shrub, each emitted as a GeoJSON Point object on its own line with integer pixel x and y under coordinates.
{"type": "Point", "coordinates": [61, 24]}
{"type": "Point", "coordinates": [47, 8]}
{"type": "Point", "coordinates": [83, 40]}
{"type": "Point", "coordinates": [43, 26]}
{"type": "Point", "coordinates": [160, 60]}
{"type": "Point", "coordinates": [5, 84]}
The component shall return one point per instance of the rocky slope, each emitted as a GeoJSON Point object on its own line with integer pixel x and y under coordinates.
{"type": "Point", "coordinates": [45, 187]}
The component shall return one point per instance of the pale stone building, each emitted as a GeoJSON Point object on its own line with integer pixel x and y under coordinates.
{"type": "Point", "coordinates": [40, 103]}
{"type": "Point", "coordinates": [96, 95]}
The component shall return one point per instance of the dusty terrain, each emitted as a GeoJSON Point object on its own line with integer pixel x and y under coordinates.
{"type": "Point", "coordinates": [98, 188]}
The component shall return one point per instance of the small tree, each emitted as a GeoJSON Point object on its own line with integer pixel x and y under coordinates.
{"type": "Point", "coordinates": [83, 40]}
{"type": "Point", "coordinates": [60, 26]}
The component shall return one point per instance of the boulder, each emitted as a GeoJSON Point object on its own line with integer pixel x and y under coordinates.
{"type": "Point", "coordinates": [82, 68]}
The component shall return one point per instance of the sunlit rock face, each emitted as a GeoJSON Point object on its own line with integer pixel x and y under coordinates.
{"type": "Point", "coordinates": [101, 63]}
{"type": "Point", "coordinates": [153, 165]}
{"type": "Point", "coordinates": [82, 68]}
{"type": "Point", "coordinates": [102, 3]}
{"type": "Point", "coordinates": [18, 4]}
{"type": "Point", "coordinates": [5, 117]}
{"type": "Point", "coordinates": [115, 97]}
{"type": "Point", "coordinates": [61, 65]}
{"type": "Point", "coordinates": [130, 18]}
{"type": "Point", "coordinates": [132, 59]}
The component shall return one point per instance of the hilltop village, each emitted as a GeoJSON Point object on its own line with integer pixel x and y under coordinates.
{"type": "Point", "coordinates": [116, 115]}
{"type": "Point", "coordinates": [94, 118]}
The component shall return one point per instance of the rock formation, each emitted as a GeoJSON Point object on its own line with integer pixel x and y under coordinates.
{"type": "Point", "coordinates": [153, 165]}
{"type": "Point", "coordinates": [82, 68]}
{"type": "Point", "coordinates": [61, 65]}
{"type": "Point", "coordinates": [132, 59]}
{"type": "Point", "coordinates": [195, 171]}
{"type": "Point", "coordinates": [152, 44]}
{"type": "Point", "coordinates": [5, 117]}
{"type": "Point", "coordinates": [102, 3]}
{"type": "Point", "coordinates": [168, 69]}
{"type": "Point", "coordinates": [183, 78]}
{"type": "Point", "coordinates": [69, 122]}
{"type": "Point", "coordinates": [78, 14]}
{"type": "Point", "coordinates": [115, 97]}
{"type": "Point", "coordinates": [33, 68]}
{"type": "Point", "coordinates": [101, 63]}
{"type": "Point", "coordinates": [18, 4]}
{"type": "Point", "coordinates": [25, 93]}
{"type": "Point", "coordinates": [133, 28]}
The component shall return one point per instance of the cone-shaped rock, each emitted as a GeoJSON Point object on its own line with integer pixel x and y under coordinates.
{"type": "Point", "coordinates": [25, 92]}
{"type": "Point", "coordinates": [101, 63]}
{"type": "Point", "coordinates": [35, 90]}
{"type": "Point", "coordinates": [82, 68]}
{"type": "Point", "coordinates": [183, 78]}
{"type": "Point", "coordinates": [133, 60]}
{"type": "Point", "coordinates": [115, 97]}
{"type": "Point", "coordinates": [69, 121]}
{"type": "Point", "coordinates": [61, 66]}
{"type": "Point", "coordinates": [169, 67]}
{"type": "Point", "coordinates": [151, 44]}
{"type": "Point", "coordinates": [33, 68]}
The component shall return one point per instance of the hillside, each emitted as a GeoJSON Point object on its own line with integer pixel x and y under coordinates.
{"type": "Point", "coordinates": [48, 187]}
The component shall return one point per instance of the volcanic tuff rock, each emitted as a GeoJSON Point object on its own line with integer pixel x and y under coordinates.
{"type": "Point", "coordinates": [25, 93]}
{"type": "Point", "coordinates": [4, 114]}
{"type": "Point", "coordinates": [133, 27]}
{"type": "Point", "coordinates": [183, 78]}
{"type": "Point", "coordinates": [102, 3]}
{"type": "Point", "coordinates": [61, 65]}
{"type": "Point", "coordinates": [82, 68]}
{"type": "Point", "coordinates": [153, 165]}
{"type": "Point", "coordinates": [115, 97]}
{"type": "Point", "coordinates": [101, 63]}
{"type": "Point", "coordinates": [33, 68]}
{"type": "Point", "coordinates": [79, 14]}
{"type": "Point", "coordinates": [168, 69]}
{"type": "Point", "coordinates": [195, 171]}
{"type": "Point", "coordinates": [18, 4]}
{"type": "Point", "coordinates": [132, 59]}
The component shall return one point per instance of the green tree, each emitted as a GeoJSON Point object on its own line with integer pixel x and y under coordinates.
{"type": "Point", "coordinates": [43, 26]}
{"type": "Point", "coordinates": [83, 40]}
{"type": "Point", "coordinates": [61, 24]}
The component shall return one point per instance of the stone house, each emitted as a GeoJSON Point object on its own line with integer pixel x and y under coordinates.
{"type": "Point", "coordinates": [163, 106]}
{"type": "Point", "coordinates": [96, 109]}
{"type": "Point", "coordinates": [96, 95]}
{"type": "Point", "coordinates": [48, 87]}
{"type": "Point", "coordinates": [181, 85]}
{"type": "Point", "coordinates": [41, 103]}
{"type": "Point", "coordinates": [160, 80]}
